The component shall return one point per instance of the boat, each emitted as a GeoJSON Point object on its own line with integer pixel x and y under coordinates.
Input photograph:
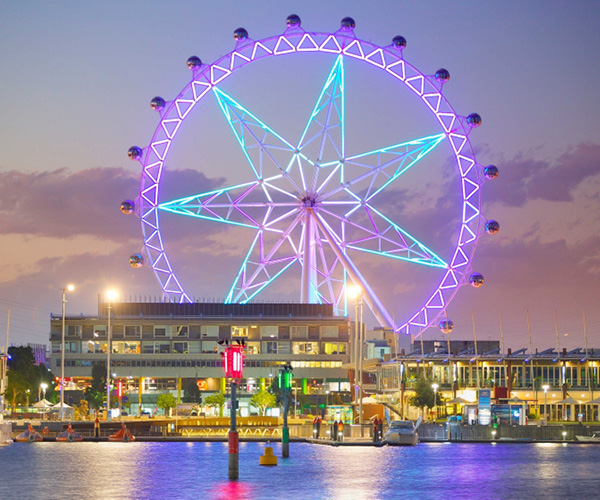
{"type": "Point", "coordinates": [69, 435]}
{"type": "Point", "coordinates": [515, 440]}
{"type": "Point", "coordinates": [124, 435]}
{"type": "Point", "coordinates": [29, 436]}
{"type": "Point", "coordinates": [402, 432]}
{"type": "Point", "coordinates": [594, 438]}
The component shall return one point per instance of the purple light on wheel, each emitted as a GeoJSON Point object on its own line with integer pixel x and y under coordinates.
{"type": "Point", "coordinates": [341, 45]}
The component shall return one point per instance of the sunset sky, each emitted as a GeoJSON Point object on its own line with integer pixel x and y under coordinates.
{"type": "Point", "coordinates": [78, 77]}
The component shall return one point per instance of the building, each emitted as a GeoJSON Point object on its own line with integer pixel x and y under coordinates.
{"type": "Point", "coordinates": [159, 347]}
{"type": "Point", "coordinates": [552, 385]}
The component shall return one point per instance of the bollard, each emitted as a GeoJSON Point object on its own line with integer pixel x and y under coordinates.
{"type": "Point", "coordinates": [268, 458]}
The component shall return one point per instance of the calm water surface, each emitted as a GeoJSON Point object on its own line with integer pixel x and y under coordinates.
{"type": "Point", "coordinates": [65, 471]}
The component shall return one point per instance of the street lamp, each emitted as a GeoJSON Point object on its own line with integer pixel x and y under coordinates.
{"type": "Point", "coordinates": [435, 388]}
{"type": "Point", "coordinates": [69, 288]}
{"type": "Point", "coordinates": [43, 386]}
{"type": "Point", "coordinates": [546, 387]}
{"type": "Point", "coordinates": [357, 292]}
{"type": "Point", "coordinates": [27, 392]}
{"type": "Point", "coordinates": [111, 296]}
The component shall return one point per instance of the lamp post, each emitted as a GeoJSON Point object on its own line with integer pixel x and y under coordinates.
{"type": "Point", "coordinates": [546, 387]}
{"type": "Point", "coordinates": [435, 388]}
{"type": "Point", "coordinates": [111, 295]}
{"type": "Point", "coordinates": [357, 292]}
{"type": "Point", "coordinates": [27, 392]}
{"type": "Point", "coordinates": [233, 366]}
{"type": "Point", "coordinates": [69, 288]}
{"type": "Point", "coordinates": [43, 386]}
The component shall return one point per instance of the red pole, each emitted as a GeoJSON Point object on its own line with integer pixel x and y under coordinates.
{"type": "Point", "coordinates": [233, 438]}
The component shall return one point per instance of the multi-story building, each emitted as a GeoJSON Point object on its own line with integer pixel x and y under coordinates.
{"type": "Point", "coordinates": [158, 347]}
{"type": "Point", "coordinates": [554, 385]}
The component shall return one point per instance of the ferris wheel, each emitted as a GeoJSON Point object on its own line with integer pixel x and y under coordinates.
{"type": "Point", "coordinates": [310, 201]}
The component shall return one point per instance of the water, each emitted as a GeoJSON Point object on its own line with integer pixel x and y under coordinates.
{"type": "Point", "coordinates": [106, 471]}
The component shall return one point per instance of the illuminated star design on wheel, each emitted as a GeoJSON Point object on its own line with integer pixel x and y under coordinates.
{"type": "Point", "coordinates": [311, 205]}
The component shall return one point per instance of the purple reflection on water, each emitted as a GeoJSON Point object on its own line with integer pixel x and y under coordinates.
{"type": "Point", "coordinates": [65, 471]}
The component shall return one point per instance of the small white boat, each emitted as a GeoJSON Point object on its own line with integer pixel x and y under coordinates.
{"type": "Point", "coordinates": [402, 432]}
{"type": "Point", "coordinates": [594, 438]}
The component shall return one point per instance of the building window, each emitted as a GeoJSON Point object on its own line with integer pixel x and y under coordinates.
{"type": "Point", "coordinates": [334, 348]}
{"type": "Point", "coordinates": [253, 348]}
{"type": "Point", "coordinates": [284, 347]}
{"type": "Point", "coordinates": [305, 348]}
{"type": "Point", "coordinates": [147, 347]}
{"type": "Point", "coordinates": [270, 347]}
{"type": "Point", "coordinates": [299, 332]}
{"type": "Point", "coordinates": [209, 330]}
{"type": "Point", "coordinates": [194, 347]}
{"type": "Point", "coordinates": [74, 330]}
{"type": "Point", "coordinates": [89, 347]}
{"type": "Point", "coordinates": [239, 331]}
{"type": "Point", "coordinates": [269, 332]}
{"type": "Point", "coordinates": [100, 330]}
{"type": "Point", "coordinates": [72, 347]}
{"type": "Point", "coordinates": [161, 330]}
{"type": "Point", "coordinates": [209, 346]}
{"type": "Point", "coordinates": [133, 331]}
{"type": "Point", "coordinates": [126, 347]}
{"type": "Point", "coordinates": [162, 347]}
{"type": "Point", "coordinates": [329, 331]}
{"type": "Point", "coordinates": [180, 347]}
{"type": "Point", "coordinates": [180, 331]}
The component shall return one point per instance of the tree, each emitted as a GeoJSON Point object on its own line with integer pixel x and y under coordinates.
{"type": "Point", "coordinates": [424, 395]}
{"type": "Point", "coordinates": [95, 394]}
{"type": "Point", "coordinates": [166, 402]}
{"type": "Point", "coordinates": [82, 410]}
{"type": "Point", "coordinates": [216, 400]}
{"type": "Point", "coordinates": [192, 393]}
{"type": "Point", "coordinates": [24, 374]}
{"type": "Point", "coordinates": [16, 387]}
{"type": "Point", "coordinates": [263, 400]}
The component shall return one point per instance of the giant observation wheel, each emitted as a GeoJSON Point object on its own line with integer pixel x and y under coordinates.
{"type": "Point", "coordinates": [310, 203]}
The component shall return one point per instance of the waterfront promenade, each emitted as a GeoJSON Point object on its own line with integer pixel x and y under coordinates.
{"type": "Point", "coordinates": [167, 431]}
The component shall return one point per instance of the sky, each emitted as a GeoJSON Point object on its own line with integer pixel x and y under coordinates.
{"type": "Point", "coordinates": [78, 77]}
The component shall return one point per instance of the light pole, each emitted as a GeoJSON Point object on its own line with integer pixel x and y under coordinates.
{"type": "Point", "coordinates": [546, 387]}
{"type": "Point", "coordinates": [69, 288]}
{"type": "Point", "coordinates": [43, 387]}
{"type": "Point", "coordinates": [27, 392]}
{"type": "Point", "coordinates": [357, 292]}
{"type": "Point", "coordinates": [111, 295]}
{"type": "Point", "coordinates": [435, 388]}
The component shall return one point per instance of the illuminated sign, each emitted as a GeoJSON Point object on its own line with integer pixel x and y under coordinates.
{"type": "Point", "coordinates": [485, 407]}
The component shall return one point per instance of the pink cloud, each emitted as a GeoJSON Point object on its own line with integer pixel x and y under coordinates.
{"type": "Point", "coordinates": [62, 203]}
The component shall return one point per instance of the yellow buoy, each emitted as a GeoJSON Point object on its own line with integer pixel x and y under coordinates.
{"type": "Point", "coordinates": [268, 458]}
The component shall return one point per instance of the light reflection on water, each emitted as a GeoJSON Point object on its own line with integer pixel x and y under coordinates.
{"type": "Point", "coordinates": [102, 471]}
